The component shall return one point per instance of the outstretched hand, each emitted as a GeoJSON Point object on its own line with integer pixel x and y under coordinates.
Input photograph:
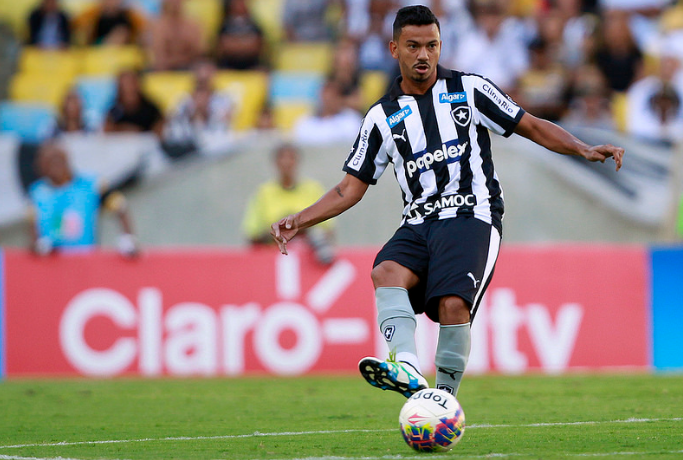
{"type": "Point", "coordinates": [602, 152]}
{"type": "Point", "coordinates": [284, 230]}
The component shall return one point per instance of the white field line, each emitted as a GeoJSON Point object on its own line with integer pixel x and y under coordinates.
{"type": "Point", "coordinates": [303, 433]}
{"type": "Point", "coordinates": [498, 455]}
{"type": "Point", "coordinates": [399, 457]}
{"type": "Point", "coordinates": [16, 457]}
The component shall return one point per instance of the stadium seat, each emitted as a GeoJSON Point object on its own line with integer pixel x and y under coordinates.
{"type": "Point", "coordinates": [373, 85]}
{"type": "Point", "coordinates": [295, 87]}
{"type": "Point", "coordinates": [97, 94]}
{"type": "Point", "coordinates": [167, 88]}
{"type": "Point", "coordinates": [268, 15]}
{"type": "Point", "coordinates": [151, 8]}
{"type": "Point", "coordinates": [31, 122]}
{"type": "Point", "coordinates": [110, 60]}
{"type": "Point", "coordinates": [15, 13]}
{"type": "Point", "coordinates": [45, 88]}
{"type": "Point", "coordinates": [304, 57]}
{"type": "Point", "coordinates": [38, 61]}
{"type": "Point", "coordinates": [250, 89]}
{"type": "Point", "coordinates": [619, 105]}
{"type": "Point", "coordinates": [286, 114]}
{"type": "Point", "coordinates": [209, 13]}
{"type": "Point", "coordinates": [75, 7]}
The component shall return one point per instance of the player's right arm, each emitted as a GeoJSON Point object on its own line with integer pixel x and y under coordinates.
{"type": "Point", "coordinates": [343, 196]}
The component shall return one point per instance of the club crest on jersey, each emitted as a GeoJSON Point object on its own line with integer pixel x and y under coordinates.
{"type": "Point", "coordinates": [461, 115]}
{"type": "Point", "coordinates": [450, 98]}
{"type": "Point", "coordinates": [397, 117]}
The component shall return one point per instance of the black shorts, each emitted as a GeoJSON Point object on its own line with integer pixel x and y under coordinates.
{"type": "Point", "coordinates": [454, 256]}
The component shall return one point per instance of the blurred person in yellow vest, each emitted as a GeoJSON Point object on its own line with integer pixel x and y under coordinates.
{"type": "Point", "coordinates": [278, 198]}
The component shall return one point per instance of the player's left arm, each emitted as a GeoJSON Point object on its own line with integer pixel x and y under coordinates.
{"type": "Point", "coordinates": [557, 139]}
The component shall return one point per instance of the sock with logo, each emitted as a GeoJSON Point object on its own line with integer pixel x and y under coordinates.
{"type": "Point", "coordinates": [397, 322]}
{"type": "Point", "coordinates": [452, 353]}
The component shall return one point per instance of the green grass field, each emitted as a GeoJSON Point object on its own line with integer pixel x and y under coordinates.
{"type": "Point", "coordinates": [529, 417]}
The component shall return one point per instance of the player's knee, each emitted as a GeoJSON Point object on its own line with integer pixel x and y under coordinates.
{"type": "Point", "coordinates": [382, 276]}
{"type": "Point", "coordinates": [453, 310]}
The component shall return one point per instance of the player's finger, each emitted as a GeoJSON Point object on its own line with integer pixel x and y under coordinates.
{"type": "Point", "coordinates": [288, 221]}
{"type": "Point", "coordinates": [618, 157]}
{"type": "Point", "coordinates": [282, 244]}
{"type": "Point", "coordinates": [275, 231]}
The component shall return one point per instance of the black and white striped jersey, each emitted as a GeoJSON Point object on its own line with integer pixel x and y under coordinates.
{"type": "Point", "coordinates": [439, 145]}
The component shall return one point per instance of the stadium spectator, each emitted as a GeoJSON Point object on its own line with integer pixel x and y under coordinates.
{"type": "Point", "coordinates": [132, 110]}
{"type": "Point", "coordinates": [278, 198]}
{"type": "Point", "coordinates": [372, 51]}
{"type": "Point", "coordinates": [655, 109]}
{"type": "Point", "coordinates": [70, 117]}
{"type": "Point", "coordinates": [346, 73]}
{"type": "Point", "coordinates": [306, 20]}
{"type": "Point", "coordinates": [201, 114]}
{"type": "Point", "coordinates": [110, 22]}
{"type": "Point", "coordinates": [589, 103]}
{"type": "Point", "coordinates": [65, 205]}
{"type": "Point", "coordinates": [333, 122]}
{"type": "Point", "coordinates": [48, 26]}
{"type": "Point", "coordinates": [542, 88]}
{"type": "Point", "coordinates": [175, 40]}
{"type": "Point", "coordinates": [617, 54]}
{"type": "Point", "coordinates": [494, 47]}
{"type": "Point", "coordinates": [241, 43]}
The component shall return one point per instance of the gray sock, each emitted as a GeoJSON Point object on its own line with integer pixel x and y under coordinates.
{"type": "Point", "coordinates": [452, 353]}
{"type": "Point", "coordinates": [397, 322]}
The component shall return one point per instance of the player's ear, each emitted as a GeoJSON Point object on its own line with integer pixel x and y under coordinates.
{"type": "Point", "coordinates": [393, 48]}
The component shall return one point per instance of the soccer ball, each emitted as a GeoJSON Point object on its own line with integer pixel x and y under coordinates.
{"type": "Point", "coordinates": [432, 421]}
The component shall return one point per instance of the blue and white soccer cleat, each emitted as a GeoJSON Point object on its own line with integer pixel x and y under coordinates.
{"type": "Point", "coordinates": [392, 375]}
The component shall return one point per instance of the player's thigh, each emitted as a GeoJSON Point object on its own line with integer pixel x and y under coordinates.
{"type": "Point", "coordinates": [404, 259]}
{"type": "Point", "coordinates": [463, 252]}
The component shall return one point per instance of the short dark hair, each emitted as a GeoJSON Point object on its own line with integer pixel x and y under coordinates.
{"type": "Point", "coordinates": [414, 15]}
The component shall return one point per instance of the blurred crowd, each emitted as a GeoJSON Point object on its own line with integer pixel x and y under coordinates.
{"type": "Point", "coordinates": [614, 64]}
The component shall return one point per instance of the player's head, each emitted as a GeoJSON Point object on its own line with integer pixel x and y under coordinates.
{"type": "Point", "coordinates": [53, 164]}
{"type": "Point", "coordinates": [414, 15]}
{"type": "Point", "coordinates": [416, 42]}
{"type": "Point", "coordinates": [287, 161]}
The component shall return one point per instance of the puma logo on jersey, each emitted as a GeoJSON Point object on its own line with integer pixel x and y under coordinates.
{"type": "Point", "coordinates": [400, 136]}
{"type": "Point", "coordinates": [474, 280]}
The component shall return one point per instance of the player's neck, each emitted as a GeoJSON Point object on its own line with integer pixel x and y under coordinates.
{"type": "Point", "coordinates": [409, 86]}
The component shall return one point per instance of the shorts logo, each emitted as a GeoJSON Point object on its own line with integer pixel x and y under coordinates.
{"type": "Point", "coordinates": [461, 115]}
{"type": "Point", "coordinates": [397, 117]}
{"type": "Point", "coordinates": [389, 332]}
{"type": "Point", "coordinates": [450, 98]}
{"type": "Point", "coordinates": [446, 388]}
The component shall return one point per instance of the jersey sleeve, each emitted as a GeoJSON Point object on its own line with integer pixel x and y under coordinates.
{"type": "Point", "coordinates": [494, 109]}
{"type": "Point", "coordinates": [367, 159]}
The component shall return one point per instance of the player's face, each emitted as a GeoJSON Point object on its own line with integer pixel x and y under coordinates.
{"type": "Point", "coordinates": [417, 50]}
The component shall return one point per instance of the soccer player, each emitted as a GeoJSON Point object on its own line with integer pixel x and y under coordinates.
{"type": "Point", "coordinates": [433, 125]}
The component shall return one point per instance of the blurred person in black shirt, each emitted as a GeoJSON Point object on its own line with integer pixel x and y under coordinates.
{"type": "Point", "coordinates": [240, 40]}
{"type": "Point", "coordinates": [49, 26]}
{"type": "Point", "coordinates": [132, 110]}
